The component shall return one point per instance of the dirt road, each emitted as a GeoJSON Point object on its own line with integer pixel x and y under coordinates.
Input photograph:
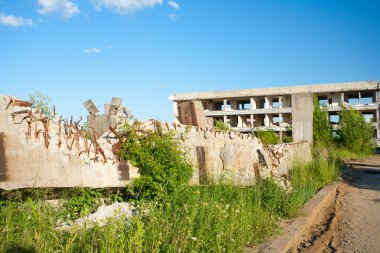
{"type": "Point", "coordinates": [351, 223]}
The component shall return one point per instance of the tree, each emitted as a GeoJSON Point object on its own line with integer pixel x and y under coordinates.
{"type": "Point", "coordinates": [355, 134]}
{"type": "Point", "coordinates": [322, 130]}
{"type": "Point", "coordinates": [41, 103]}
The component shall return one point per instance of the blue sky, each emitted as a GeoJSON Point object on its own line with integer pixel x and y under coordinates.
{"type": "Point", "coordinates": [145, 50]}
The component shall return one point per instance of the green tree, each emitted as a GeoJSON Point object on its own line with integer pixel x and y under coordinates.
{"type": "Point", "coordinates": [355, 134]}
{"type": "Point", "coordinates": [41, 103]}
{"type": "Point", "coordinates": [322, 130]}
{"type": "Point", "coordinates": [163, 164]}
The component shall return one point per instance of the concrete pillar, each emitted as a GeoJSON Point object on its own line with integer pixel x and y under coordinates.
{"type": "Point", "coordinates": [234, 104]}
{"type": "Point", "coordinates": [280, 116]}
{"type": "Point", "coordinates": [302, 117]}
{"type": "Point", "coordinates": [252, 120]}
{"type": "Point", "coordinates": [266, 120]}
{"type": "Point", "coordinates": [266, 104]}
{"type": "Point", "coordinates": [225, 119]}
{"type": "Point", "coordinates": [253, 103]}
{"type": "Point", "coordinates": [377, 124]}
{"type": "Point", "coordinates": [240, 121]}
{"type": "Point", "coordinates": [224, 104]}
{"type": "Point", "coordinates": [377, 97]}
{"type": "Point", "coordinates": [360, 97]}
{"type": "Point", "coordinates": [175, 112]}
{"type": "Point", "coordinates": [341, 97]}
{"type": "Point", "coordinates": [280, 101]}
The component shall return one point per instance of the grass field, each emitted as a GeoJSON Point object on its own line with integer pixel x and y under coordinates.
{"type": "Point", "coordinates": [206, 218]}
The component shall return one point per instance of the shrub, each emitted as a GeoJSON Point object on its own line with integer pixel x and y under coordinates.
{"type": "Point", "coordinates": [322, 130]}
{"type": "Point", "coordinates": [81, 202]}
{"type": "Point", "coordinates": [354, 133]}
{"type": "Point", "coordinates": [163, 164]}
{"type": "Point", "coordinates": [287, 139]}
{"type": "Point", "coordinates": [267, 137]}
{"type": "Point", "coordinates": [220, 125]}
{"type": "Point", "coordinates": [41, 103]}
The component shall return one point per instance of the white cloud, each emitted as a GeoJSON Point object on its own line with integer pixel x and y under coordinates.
{"type": "Point", "coordinates": [173, 16]}
{"type": "Point", "coordinates": [174, 5]}
{"type": "Point", "coordinates": [92, 50]}
{"type": "Point", "coordinates": [125, 6]}
{"type": "Point", "coordinates": [14, 21]}
{"type": "Point", "coordinates": [65, 7]}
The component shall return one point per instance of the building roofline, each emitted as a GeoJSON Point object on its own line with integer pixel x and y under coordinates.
{"type": "Point", "coordinates": [281, 90]}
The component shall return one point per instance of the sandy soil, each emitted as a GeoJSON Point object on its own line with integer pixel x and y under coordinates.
{"type": "Point", "coordinates": [351, 223]}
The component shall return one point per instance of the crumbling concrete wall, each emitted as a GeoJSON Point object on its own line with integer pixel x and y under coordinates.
{"type": "Point", "coordinates": [221, 156]}
{"type": "Point", "coordinates": [36, 151]}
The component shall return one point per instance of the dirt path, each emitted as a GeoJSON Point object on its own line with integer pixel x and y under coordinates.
{"type": "Point", "coordinates": [351, 223]}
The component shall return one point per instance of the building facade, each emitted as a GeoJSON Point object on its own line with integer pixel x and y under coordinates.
{"type": "Point", "coordinates": [286, 110]}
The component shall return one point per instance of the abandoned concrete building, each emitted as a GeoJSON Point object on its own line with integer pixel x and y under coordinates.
{"type": "Point", "coordinates": [286, 110]}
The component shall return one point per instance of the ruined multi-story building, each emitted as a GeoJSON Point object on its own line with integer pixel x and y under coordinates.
{"type": "Point", "coordinates": [286, 110]}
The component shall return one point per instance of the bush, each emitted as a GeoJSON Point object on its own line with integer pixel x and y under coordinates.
{"type": "Point", "coordinates": [82, 201]}
{"type": "Point", "coordinates": [322, 130]}
{"type": "Point", "coordinates": [287, 139]}
{"type": "Point", "coordinates": [41, 103]}
{"type": "Point", "coordinates": [162, 162]}
{"type": "Point", "coordinates": [354, 133]}
{"type": "Point", "coordinates": [267, 137]}
{"type": "Point", "coordinates": [220, 125]}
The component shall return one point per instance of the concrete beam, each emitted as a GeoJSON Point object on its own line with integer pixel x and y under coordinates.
{"type": "Point", "coordinates": [247, 93]}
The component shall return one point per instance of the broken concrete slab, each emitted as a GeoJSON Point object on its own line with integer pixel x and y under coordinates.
{"type": "Point", "coordinates": [192, 113]}
{"type": "Point", "coordinates": [90, 106]}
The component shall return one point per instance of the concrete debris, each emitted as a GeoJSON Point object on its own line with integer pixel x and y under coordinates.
{"type": "Point", "coordinates": [102, 216]}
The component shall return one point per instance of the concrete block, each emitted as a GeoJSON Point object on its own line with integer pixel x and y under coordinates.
{"type": "Point", "coordinates": [91, 108]}
{"type": "Point", "coordinates": [107, 108]}
{"type": "Point", "coordinates": [116, 102]}
{"type": "Point", "coordinates": [192, 113]}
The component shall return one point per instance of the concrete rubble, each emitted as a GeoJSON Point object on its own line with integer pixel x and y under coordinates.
{"type": "Point", "coordinates": [37, 151]}
{"type": "Point", "coordinates": [102, 216]}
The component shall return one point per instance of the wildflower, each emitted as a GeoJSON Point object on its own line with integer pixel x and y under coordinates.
{"type": "Point", "coordinates": [194, 238]}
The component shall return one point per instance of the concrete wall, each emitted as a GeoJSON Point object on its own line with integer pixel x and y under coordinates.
{"type": "Point", "coordinates": [237, 158]}
{"type": "Point", "coordinates": [302, 117]}
{"type": "Point", "coordinates": [53, 154]}
{"type": "Point", "coordinates": [26, 161]}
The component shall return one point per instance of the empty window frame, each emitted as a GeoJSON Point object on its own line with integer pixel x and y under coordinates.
{"type": "Point", "coordinates": [244, 105]}
{"type": "Point", "coordinates": [276, 103]}
{"type": "Point", "coordinates": [334, 118]}
{"type": "Point", "coordinates": [367, 98]}
{"type": "Point", "coordinates": [323, 101]}
{"type": "Point", "coordinates": [353, 99]}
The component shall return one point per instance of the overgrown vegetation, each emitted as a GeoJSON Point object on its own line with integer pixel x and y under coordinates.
{"type": "Point", "coordinates": [267, 137]}
{"type": "Point", "coordinates": [81, 202]}
{"type": "Point", "coordinates": [354, 133]}
{"type": "Point", "coordinates": [41, 103]}
{"type": "Point", "coordinates": [174, 216]}
{"type": "Point", "coordinates": [322, 130]}
{"type": "Point", "coordinates": [162, 162]}
{"type": "Point", "coordinates": [353, 138]}
{"type": "Point", "coordinates": [220, 125]}
{"type": "Point", "coordinates": [213, 218]}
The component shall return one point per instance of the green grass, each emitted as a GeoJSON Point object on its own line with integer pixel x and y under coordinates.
{"type": "Point", "coordinates": [212, 218]}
